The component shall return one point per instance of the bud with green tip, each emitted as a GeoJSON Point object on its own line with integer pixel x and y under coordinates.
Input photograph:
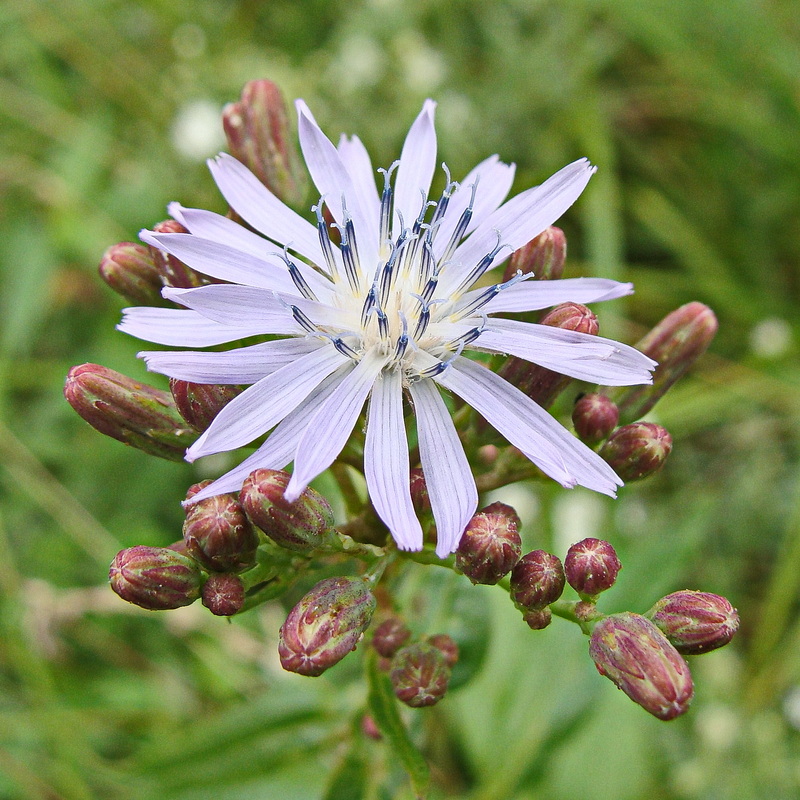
{"type": "Point", "coordinates": [130, 270]}
{"type": "Point", "coordinates": [448, 647]}
{"type": "Point", "coordinates": [303, 525]}
{"type": "Point", "coordinates": [544, 256]}
{"type": "Point", "coordinates": [129, 411]}
{"type": "Point", "coordinates": [591, 567]}
{"type": "Point", "coordinates": [695, 622]}
{"type": "Point", "coordinates": [540, 384]}
{"type": "Point", "coordinates": [172, 270]}
{"type": "Point", "coordinates": [257, 129]}
{"type": "Point", "coordinates": [223, 594]}
{"type": "Point", "coordinates": [199, 403]}
{"type": "Point", "coordinates": [594, 416]}
{"type": "Point", "coordinates": [637, 451]}
{"type": "Point", "coordinates": [537, 580]}
{"type": "Point", "coordinates": [390, 636]}
{"type": "Point", "coordinates": [675, 343]}
{"type": "Point", "coordinates": [155, 578]}
{"type": "Point", "coordinates": [325, 625]}
{"type": "Point", "coordinates": [490, 545]}
{"type": "Point", "coordinates": [633, 653]}
{"type": "Point", "coordinates": [420, 675]}
{"type": "Point", "coordinates": [217, 533]}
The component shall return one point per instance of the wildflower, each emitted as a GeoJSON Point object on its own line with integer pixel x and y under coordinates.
{"type": "Point", "coordinates": [393, 308]}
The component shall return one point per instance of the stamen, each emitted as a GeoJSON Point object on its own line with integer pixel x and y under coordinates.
{"type": "Point", "coordinates": [325, 241]}
{"type": "Point", "coordinates": [302, 320]}
{"type": "Point", "coordinates": [383, 323]}
{"type": "Point", "coordinates": [386, 202]}
{"type": "Point", "coordinates": [444, 200]}
{"type": "Point", "coordinates": [369, 305]}
{"type": "Point", "coordinates": [402, 340]}
{"type": "Point", "coordinates": [480, 267]}
{"type": "Point", "coordinates": [461, 228]}
{"type": "Point", "coordinates": [297, 277]}
{"type": "Point", "coordinates": [350, 254]}
{"type": "Point", "coordinates": [485, 296]}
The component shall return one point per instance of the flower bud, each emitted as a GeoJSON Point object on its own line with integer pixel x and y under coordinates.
{"type": "Point", "coordinates": [325, 625]}
{"type": "Point", "coordinates": [129, 411]}
{"type": "Point", "coordinates": [675, 343]}
{"type": "Point", "coordinates": [218, 534]}
{"type": "Point", "coordinates": [637, 451]}
{"type": "Point", "coordinates": [174, 272]}
{"type": "Point", "coordinates": [537, 580]}
{"type": "Point", "coordinates": [591, 567]}
{"type": "Point", "coordinates": [223, 594]}
{"type": "Point", "coordinates": [419, 491]}
{"type": "Point", "coordinates": [420, 675]}
{"type": "Point", "coordinates": [540, 384]}
{"type": "Point", "coordinates": [448, 646]}
{"type": "Point", "coordinates": [155, 578]}
{"type": "Point", "coordinates": [594, 417]}
{"type": "Point", "coordinates": [199, 403]}
{"type": "Point", "coordinates": [633, 653]}
{"type": "Point", "coordinates": [543, 256]}
{"type": "Point", "coordinates": [257, 129]}
{"type": "Point", "coordinates": [303, 525]}
{"type": "Point", "coordinates": [390, 636]}
{"type": "Point", "coordinates": [490, 545]}
{"type": "Point", "coordinates": [538, 619]}
{"type": "Point", "coordinates": [695, 622]}
{"type": "Point", "coordinates": [130, 270]}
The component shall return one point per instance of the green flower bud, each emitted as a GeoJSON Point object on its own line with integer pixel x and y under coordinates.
{"type": "Point", "coordinates": [303, 525]}
{"type": "Point", "coordinates": [130, 270]}
{"type": "Point", "coordinates": [155, 578]}
{"type": "Point", "coordinates": [448, 647]}
{"type": "Point", "coordinates": [490, 545]}
{"type": "Point", "coordinates": [199, 403]}
{"type": "Point", "coordinates": [325, 625]}
{"type": "Point", "coordinates": [594, 417]}
{"type": "Point", "coordinates": [591, 567]}
{"type": "Point", "coordinates": [695, 622]}
{"type": "Point", "coordinates": [218, 534]}
{"type": "Point", "coordinates": [257, 129]}
{"type": "Point", "coordinates": [544, 256]}
{"type": "Point", "coordinates": [420, 675]}
{"type": "Point", "coordinates": [675, 343]}
{"type": "Point", "coordinates": [537, 580]}
{"type": "Point", "coordinates": [540, 384]}
{"type": "Point", "coordinates": [390, 636]}
{"type": "Point", "coordinates": [633, 653]}
{"type": "Point", "coordinates": [223, 594]}
{"type": "Point", "coordinates": [129, 411]}
{"type": "Point", "coordinates": [174, 272]}
{"type": "Point", "coordinates": [637, 451]}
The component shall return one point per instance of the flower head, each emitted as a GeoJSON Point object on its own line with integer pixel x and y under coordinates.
{"type": "Point", "coordinates": [392, 309]}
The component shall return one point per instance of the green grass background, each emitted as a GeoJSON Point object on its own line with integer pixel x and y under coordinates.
{"type": "Point", "coordinates": [691, 109]}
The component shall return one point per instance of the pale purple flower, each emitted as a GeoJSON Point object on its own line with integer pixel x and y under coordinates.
{"type": "Point", "coordinates": [392, 310]}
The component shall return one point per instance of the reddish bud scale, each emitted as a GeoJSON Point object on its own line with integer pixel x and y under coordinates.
{"type": "Point", "coordinates": [543, 256]}
{"type": "Point", "coordinates": [174, 272]}
{"type": "Point", "coordinates": [540, 384]}
{"type": "Point", "coordinates": [695, 622]}
{"type": "Point", "coordinates": [325, 625]}
{"type": "Point", "coordinates": [538, 619]}
{"type": "Point", "coordinates": [130, 270]}
{"type": "Point", "coordinates": [420, 675]}
{"type": "Point", "coordinates": [223, 594]}
{"type": "Point", "coordinates": [303, 525]}
{"type": "Point", "coordinates": [390, 636]}
{"type": "Point", "coordinates": [637, 451]}
{"type": "Point", "coordinates": [591, 567]}
{"type": "Point", "coordinates": [128, 411]}
{"type": "Point", "coordinates": [633, 653]}
{"type": "Point", "coordinates": [419, 491]}
{"type": "Point", "coordinates": [594, 417]}
{"type": "Point", "coordinates": [199, 403]}
{"type": "Point", "coordinates": [155, 578]}
{"type": "Point", "coordinates": [537, 580]}
{"type": "Point", "coordinates": [448, 646]}
{"type": "Point", "coordinates": [491, 545]}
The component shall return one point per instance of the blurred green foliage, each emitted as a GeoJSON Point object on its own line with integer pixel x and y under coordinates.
{"type": "Point", "coordinates": [692, 112]}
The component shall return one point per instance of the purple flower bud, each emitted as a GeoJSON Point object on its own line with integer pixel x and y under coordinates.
{"type": "Point", "coordinates": [218, 534]}
{"type": "Point", "coordinates": [370, 729]}
{"type": "Point", "coordinates": [155, 578]}
{"type": "Point", "coordinates": [223, 594]}
{"type": "Point", "coordinates": [325, 625]}
{"type": "Point", "coordinates": [537, 580]}
{"type": "Point", "coordinates": [390, 636]}
{"type": "Point", "coordinates": [129, 411]}
{"type": "Point", "coordinates": [130, 270]}
{"type": "Point", "coordinates": [490, 545]}
{"type": "Point", "coordinates": [448, 646]}
{"type": "Point", "coordinates": [540, 384]}
{"type": "Point", "coordinates": [594, 417]}
{"type": "Point", "coordinates": [199, 403]}
{"type": "Point", "coordinates": [591, 567]}
{"type": "Point", "coordinates": [638, 450]}
{"type": "Point", "coordinates": [305, 524]}
{"type": "Point", "coordinates": [633, 653]}
{"type": "Point", "coordinates": [419, 491]}
{"type": "Point", "coordinates": [420, 675]}
{"type": "Point", "coordinates": [257, 129]}
{"type": "Point", "coordinates": [538, 619]}
{"type": "Point", "coordinates": [174, 272]}
{"type": "Point", "coordinates": [695, 622]}
{"type": "Point", "coordinates": [675, 343]}
{"type": "Point", "coordinates": [543, 256]}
